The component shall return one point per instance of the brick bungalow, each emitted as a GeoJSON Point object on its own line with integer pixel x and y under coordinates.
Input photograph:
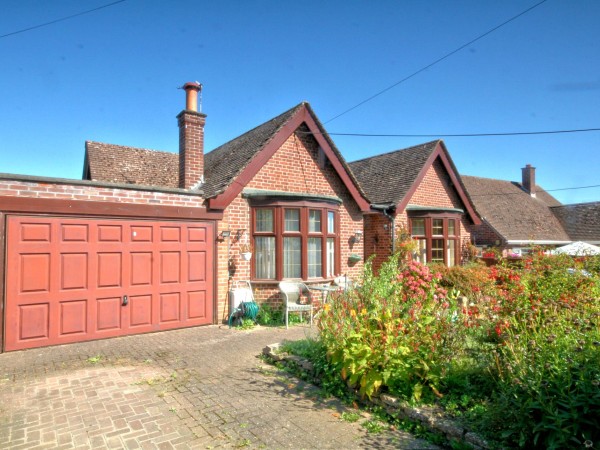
{"type": "Point", "coordinates": [152, 240]}
{"type": "Point", "coordinates": [417, 189]}
{"type": "Point", "coordinates": [282, 188]}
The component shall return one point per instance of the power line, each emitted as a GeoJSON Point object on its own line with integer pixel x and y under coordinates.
{"type": "Point", "coordinates": [436, 61]}
{"type": "Point", "coordinates": [61, 19]}
{"type": "Point", "coordinates": [516, 133]}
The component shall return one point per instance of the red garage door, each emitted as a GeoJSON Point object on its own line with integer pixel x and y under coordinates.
{"type": "Point", "coordinates": [72, 280]}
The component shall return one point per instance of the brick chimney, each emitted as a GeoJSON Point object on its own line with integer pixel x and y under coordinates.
{"type": "Point", "coordinates": [191, 139]}
{"type": "Point", "coordinates": [528, 179]}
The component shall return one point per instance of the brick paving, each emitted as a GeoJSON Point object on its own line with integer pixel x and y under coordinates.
{"type": "Point", "coordinates": [199, 387]}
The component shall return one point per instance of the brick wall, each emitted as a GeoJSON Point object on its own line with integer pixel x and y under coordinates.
{"type": "Point", "coordinates": [435, 190]}
{"type": "Point", "coordinates": [293, 168]}
{"type": "Point", "coordinates": [485, 235]}
{"type": "Point", "coordinates": [191, 148]}
{"type": "Point", "coordinates": [89, 192]}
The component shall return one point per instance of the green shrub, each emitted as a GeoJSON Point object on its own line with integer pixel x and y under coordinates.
{"type": "Point", "coordinates": [269, 315]}
{"type": "Point", "coordinates": [520, 361]}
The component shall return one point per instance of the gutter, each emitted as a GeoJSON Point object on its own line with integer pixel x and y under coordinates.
{"type": "Point", "coordinates": [388, 210]}
{"type": "Point", "coordinates": [529, 242]}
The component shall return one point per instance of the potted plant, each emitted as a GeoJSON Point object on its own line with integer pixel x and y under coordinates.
{"type": "Point", "coordinates": [354, 258]}
{"type": "Point", "coordinates": [246, 252]}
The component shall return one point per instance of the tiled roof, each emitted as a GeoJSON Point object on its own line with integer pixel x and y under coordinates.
{"type": "Point", "coordinates": [514, 213]}
{"type": "Point", "coordinates": [387, 178]}
{"type": "Point", "coordinates": [224, 163]}
{"type": "Point", "coordinates": [581, 221]}
{"type": "Point", "coordinates": [129, 165]}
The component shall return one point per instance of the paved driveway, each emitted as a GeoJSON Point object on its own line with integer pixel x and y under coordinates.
{"type": "Point", "coordinates": [194, 388]}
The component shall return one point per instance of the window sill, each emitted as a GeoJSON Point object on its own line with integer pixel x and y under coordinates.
{"type": "Point", "coordinates": [298, 280]}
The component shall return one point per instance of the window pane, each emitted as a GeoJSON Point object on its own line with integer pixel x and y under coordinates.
{"type": "Point", "coordinates": [418, 227]}
{"type": "Point", "coordinates": [292, 257]}
{"type": "Point", "coordinates": [292, 220]}
{"type": "Point", "coordinates": [451, 252]}
{"type": "Point", "coordinates": [451, 227]}
{"type": "Point", "coordinates": [421, 254]}
{"type": "Point", "coordinates": [264, 257]}
{"type": "Point", "coordinates": [438, 227]}
{"type": "Point", "coordinates": [264, 220]}
{"type": "Point", "coordinates": [314, 258]}
{"type": "Point", "coordinates": [330, 222]}
{"type": "Point", "coordinates": [437, 250]}
{"type": "Point", "coordinates": [330, 257]}
{"type": "Point", "coordinates": [314, 221]}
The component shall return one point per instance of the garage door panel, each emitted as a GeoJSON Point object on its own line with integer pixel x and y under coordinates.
{"type": "Point", "coordinates": [170, 234]}
{"type": "Point", "coordinates": [108, 313]}
{"type": "Point", "coordinates": [73, 271]}
{"type": "Point", "coordinates": [141, 268]}
{"type": "Point", "coordinates": [34, 321]}
{"type": "Point", "coordinates": [75, 233]}
{"type": "Point", "coordinates": [170, 267]}
{"type": "Point", "coordinates": [73, 317]}
{"type": "Point", "coordinates": [170, 307]}
{"type": "Point", "coordinates": [140, 310]}
{"type": "Point", "coordinates": [141, 234]}
{"type": "Point", "coordinates": [110, 233]}
{"type": "Point", "coordinates": [197, 234]}
{"type": "Point", "coordinates": [196, 266]}
{"type": "Point", "coordinates": [35, 232]}
{"type": "Point", "coordinates": [34, 273]}
{"type": "Point", "coordinates": [109, 270]}
{"type": "Point", "coordinates": [67, 278]}
{"type": "Point", "coordinates": [196, 305]}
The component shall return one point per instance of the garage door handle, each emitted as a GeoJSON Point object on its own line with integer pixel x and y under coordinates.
{"type": "Point", "coordinates": [125, 301]}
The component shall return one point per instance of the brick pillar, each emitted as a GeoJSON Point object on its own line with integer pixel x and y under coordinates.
{"type": "Point", "coordinates": [528, 179]}
{"type": "Point", "coordinates": [191, 139]}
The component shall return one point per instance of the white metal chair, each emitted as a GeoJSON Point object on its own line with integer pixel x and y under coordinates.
{"type": "Point", "coordinates": [291, 293]}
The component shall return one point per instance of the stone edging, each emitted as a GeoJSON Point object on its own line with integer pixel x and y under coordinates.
{"type": "Point", "coordinates": [430, 417]}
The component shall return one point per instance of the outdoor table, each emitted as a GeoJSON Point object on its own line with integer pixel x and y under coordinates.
{"type": "Point", "coordinates": [325, 290]}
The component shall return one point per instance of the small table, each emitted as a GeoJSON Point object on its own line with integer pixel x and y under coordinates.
{"type": "Point", "coordinates": [325, 290]}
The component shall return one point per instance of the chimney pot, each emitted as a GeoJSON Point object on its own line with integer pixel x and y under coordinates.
{"type": "Point", "coordinates": [191, 98]}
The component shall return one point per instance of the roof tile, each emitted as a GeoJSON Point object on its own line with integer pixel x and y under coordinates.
{"type": "Point", "coordinates": [514, 213]}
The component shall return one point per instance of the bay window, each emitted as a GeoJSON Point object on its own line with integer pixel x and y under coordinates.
{"type": "Point", "coordinates": [295, 240]}
{"type": "Point", "coordinates": [437, 236]}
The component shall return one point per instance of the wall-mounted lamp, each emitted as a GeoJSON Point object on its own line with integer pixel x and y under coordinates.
{"type": "Point", "coordinates": [225, 234]}
{"type": "Point", "coordinates": [358, 234]}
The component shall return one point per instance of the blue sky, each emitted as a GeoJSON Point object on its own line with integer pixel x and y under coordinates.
{"type": "Point", "coordinates": [112, 76]}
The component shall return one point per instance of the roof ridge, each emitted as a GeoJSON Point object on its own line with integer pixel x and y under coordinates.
{"type": "Point", "coordinates": [273, 119]}
{"type": "Point", "coordinates": [397, 151]}
{"type": "Point", "coordinates": [130, 147]}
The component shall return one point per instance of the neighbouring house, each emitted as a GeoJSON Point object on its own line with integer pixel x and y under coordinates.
{"type": "Point", "coordinates": [517, 215]}
{"type": "Point", "coordinates": [581, 221]}
{"type": "Point", "coordinates": [418, 190]}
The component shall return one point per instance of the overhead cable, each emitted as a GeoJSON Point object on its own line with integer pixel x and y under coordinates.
{"type": "Point", "coordinates": [436, 61]}
{"type": "Point", "coordinates": [437, 135]}
{"type": "Point", "coordinates": [61, 19]}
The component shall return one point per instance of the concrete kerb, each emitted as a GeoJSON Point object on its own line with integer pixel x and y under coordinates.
{"type": "Point", "coordinates": [432, 418]}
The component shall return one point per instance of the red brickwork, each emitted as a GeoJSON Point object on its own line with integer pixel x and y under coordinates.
{"type": "Point", "coordinates": [191, 148]}
{"type": "Point", "coordinates": [96, 193]}
{"type": "Point", "coordinates": [293, 168]}
{"type": "Point", "coordinates": [485, 235]}
{"type": "Point", "coordinates": [435, 190]}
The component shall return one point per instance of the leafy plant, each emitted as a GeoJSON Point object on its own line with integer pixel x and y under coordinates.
{"type": "Point", "coordinates": [350, 416]}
